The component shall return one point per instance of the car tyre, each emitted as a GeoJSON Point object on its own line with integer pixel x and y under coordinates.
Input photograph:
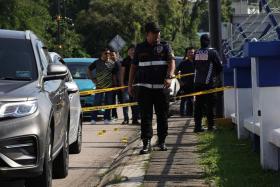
{"type": "Point", "coordinates": [61, 162]}
{"type": "Point", "coordinates": [76, 147]}
{"type": "Point", "coordinates": [45, 179]}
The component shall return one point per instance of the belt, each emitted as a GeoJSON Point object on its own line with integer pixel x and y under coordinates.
{"type": "Point", "coordinates": [152, 86]}
{"type": "Point", "coordinates": [153, 63]}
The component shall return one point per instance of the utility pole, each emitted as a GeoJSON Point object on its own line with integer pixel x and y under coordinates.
{"type": "Point", "coordinates": [215, 36]}
{"type": "Point", "coordinates": [58, 19]}
{"type": "Point", "coordinates": [215, 24]}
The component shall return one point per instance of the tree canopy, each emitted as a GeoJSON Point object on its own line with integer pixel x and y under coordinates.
{"type": "Point", "coordinates": [87, 26]}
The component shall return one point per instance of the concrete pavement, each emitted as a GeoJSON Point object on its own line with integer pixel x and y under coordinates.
{"type": "Point", "coordinates": [176, 167]}
{"type": "Point", "coordinates": [179, 165]}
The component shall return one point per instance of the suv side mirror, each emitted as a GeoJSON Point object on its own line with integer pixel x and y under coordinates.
{"type": "Point", "coordinates": [56, 71]}
{"type": "Point", "coordinates": [71, 87]}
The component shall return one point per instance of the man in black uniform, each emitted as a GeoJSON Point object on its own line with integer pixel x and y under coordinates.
{"type": "Point", "coordinates": [207, 67]}
{"type": "Point", "coordinates": [155, 65]}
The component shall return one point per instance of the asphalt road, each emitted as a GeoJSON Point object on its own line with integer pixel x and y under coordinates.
{"type": "Point", "coordinates": [101, 145]}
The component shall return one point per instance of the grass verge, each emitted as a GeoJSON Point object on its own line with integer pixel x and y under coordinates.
{"type": "Point", "coordinates": [231, 162]}
{"type": "Point", "coordinates": [118, 179]}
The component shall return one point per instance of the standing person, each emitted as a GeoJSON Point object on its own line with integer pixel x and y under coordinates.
{"type": "Point", "coordinates": [117, 95]}
{"type": "Point", "coordinates": [155, 65]}
{"type": "Point", "coordinates": [105, 76]}
{"type": "Point", "coordinates": [207, 67]}
{"type": "Point", "coordinates": [186, 83]}
{"type": "Point", "coordinates": [125, 68]}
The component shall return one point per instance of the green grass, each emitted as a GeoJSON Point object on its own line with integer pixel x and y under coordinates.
{"type": "Point", "coordinates": [118, 179]}
{"type": "Point", "coordinates": [231, 162]}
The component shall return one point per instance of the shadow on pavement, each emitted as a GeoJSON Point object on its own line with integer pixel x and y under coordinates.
{"type": "Point", "coordinates": [178, 165]}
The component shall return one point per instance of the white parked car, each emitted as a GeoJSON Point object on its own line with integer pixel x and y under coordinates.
{"type": "Point", "coordinates": [75, 131]}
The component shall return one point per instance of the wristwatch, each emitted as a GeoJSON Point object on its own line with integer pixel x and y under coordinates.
{"type": "Point", "coordinates": [170, 77]}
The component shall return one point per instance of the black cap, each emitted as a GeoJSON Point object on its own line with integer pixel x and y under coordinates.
{"type": "Point", "coordinates": [204, 40]}
{"type": "Point", "coordinates": [152, 27]}
{"type": "Point", "coordinates": [205, 37]}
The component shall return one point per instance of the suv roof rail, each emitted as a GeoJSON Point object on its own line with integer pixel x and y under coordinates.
{"type": "Point", "coordinates": [27, 34]}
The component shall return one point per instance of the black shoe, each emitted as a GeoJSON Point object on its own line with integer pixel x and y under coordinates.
{"type": "Point", "coordinates": [125, 122]}
{"type": "Point", "coordinates": [211, 128]}
{"type": "Point", "coordinates": [146, 147]}
{"type": "Point", "coordinates": [198, 130]}
{"type": "Point", "coordinates": [135, 122]}
{"type": "Point", "coordinates": [189, 115]}
{"type": "Point", "coordinates": [162, 147]}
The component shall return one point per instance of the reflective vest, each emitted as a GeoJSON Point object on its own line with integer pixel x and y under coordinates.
{"type": "Point", "coordinates": [207, 64]}
{"type": "Point", "coordinates": [152, 64]}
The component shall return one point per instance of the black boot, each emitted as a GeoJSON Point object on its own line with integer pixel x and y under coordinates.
{"type": "Point", "coordinates": [125, 122]}
{"type": "Point", "coordinates": [146, 147]}
{"type": "Point", "coordinates": [162, 146]}
{"type": "Point", "coordinates": [135, 122]}
{"type": "Point", "coordinates": [198, 128]}
{"type": "Point", "coordinates": [211, 128]}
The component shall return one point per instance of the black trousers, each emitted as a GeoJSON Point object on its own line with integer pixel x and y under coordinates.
{"type": "Point", "coordinates": [149, 99]}
{"type": "Point", "coordinates": [204, 104]}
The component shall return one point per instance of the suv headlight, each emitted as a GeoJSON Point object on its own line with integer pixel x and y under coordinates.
{"type": "Point", "coordinates": [18, 109]}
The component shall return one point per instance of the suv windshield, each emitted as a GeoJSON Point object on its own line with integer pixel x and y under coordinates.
{"type": "Point", "coordinates": [17, 60]}
{"type": "Point", "coordinates": [79, 70]}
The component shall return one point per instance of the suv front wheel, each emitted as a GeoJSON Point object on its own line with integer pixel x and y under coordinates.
{"type": "Point", "coordinates": [76, 147]}
{"type": "Point", "coordinates": [45, 179]}
{"type": "Point", "coordinates": [61, 162]}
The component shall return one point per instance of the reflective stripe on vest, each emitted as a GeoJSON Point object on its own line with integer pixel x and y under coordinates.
{"type": "Point", "coordinates": [153, 63]}
{"type": "Point", "coordinates": [152, 86]}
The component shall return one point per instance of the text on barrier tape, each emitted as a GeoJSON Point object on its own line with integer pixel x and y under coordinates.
{"type": "Point", "coordinates": [90, 92]}
{"type": "Point", "coordinates": [106, 107]}
{"type": "Point", "coordinates": [214, 90]}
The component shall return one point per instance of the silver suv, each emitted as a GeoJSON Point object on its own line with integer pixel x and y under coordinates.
{"type": "Point", "coordinates": [34, 111]}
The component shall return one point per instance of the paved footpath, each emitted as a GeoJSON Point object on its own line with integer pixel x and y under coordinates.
{"type": "Point", "coordinates": [179, 165]}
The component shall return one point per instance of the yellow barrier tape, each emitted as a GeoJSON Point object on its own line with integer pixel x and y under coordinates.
{"type": "Point", "coordinates": [95, 108]}
{"type": "Point", "coordinates": [184, 75]}
{"type": "Point", "coordinates": [90, 92]}
{"type": "Point", "coordinates": [214, 90]}
{"type": "Point", "coordinates": [116, 129]}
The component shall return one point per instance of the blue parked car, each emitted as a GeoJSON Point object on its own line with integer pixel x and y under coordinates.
{"type": "Point", "coordinates": [178, 60]}
{"type": "Point", "coordinates": [78, 68]}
